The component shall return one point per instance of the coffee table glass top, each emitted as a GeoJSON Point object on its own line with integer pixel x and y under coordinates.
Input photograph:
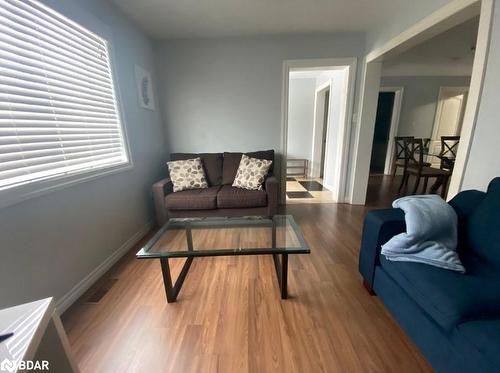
{"type": "Point", "coordinates": [194, 237]}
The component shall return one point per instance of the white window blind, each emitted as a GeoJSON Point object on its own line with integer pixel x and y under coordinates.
{"type": "Point", "coordinates": [58, 111]}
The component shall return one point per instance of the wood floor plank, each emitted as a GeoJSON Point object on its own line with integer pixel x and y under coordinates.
{"type": "Point", "coordinates": [229, 316]}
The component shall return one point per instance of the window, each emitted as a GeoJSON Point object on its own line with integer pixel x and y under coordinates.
{"type": "Point", "coordinates": [58, 110]}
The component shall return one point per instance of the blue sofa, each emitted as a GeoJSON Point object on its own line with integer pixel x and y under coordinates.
{"type": "Point", "coordinates": [453, 318]}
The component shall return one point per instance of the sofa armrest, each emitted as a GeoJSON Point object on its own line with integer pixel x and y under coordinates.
{"type": "Point", "coordinates": [160, 190]}
{"type": "Point", "coordinates": [464, 204]}
{"type": "Point", "coordinates": [272, 190]}
{"type": "Point", "coordinates": [379, 226]}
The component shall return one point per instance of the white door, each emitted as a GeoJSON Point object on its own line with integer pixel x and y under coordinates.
{"type": "Point", "coordinates": [449, 117]}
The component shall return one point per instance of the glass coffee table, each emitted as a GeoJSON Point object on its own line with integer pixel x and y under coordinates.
{"type": "Point", "coordinates": [278, 236]}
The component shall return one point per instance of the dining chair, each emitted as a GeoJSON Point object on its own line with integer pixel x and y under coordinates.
{"type": "Point", "coordinates": [400, 152]}
{"type": "Point", "coordinates": [420, 169]}
{"type": "Point", "coordinates": [426, 142]}
{"type": "Point", "coordinates": [448, 153]}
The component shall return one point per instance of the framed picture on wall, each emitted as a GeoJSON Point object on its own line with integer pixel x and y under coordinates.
{"type": "Point", "coordinates": [144, 88]}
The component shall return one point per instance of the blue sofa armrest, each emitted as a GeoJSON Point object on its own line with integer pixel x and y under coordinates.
{"type": "Point", "coordinates": [464, 204]}
{"type": "Point", "coordinates": [379, 226]}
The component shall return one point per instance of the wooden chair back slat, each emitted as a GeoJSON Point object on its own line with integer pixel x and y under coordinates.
{"type": "Point", "coordinates": [416, 153]}
{"type": "Point", "coordinates": [449, 146]}
{"type": "Point", "coordinates": [400, 146]}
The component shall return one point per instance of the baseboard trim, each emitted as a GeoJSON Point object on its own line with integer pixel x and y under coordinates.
{"type": "Point", "coordinates": [328, 186]}
{"type": "Point", "coordinates": [79, 289]}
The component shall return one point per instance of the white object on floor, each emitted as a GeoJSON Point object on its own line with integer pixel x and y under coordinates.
{"type": "Point", "coordinates": [39, 341]}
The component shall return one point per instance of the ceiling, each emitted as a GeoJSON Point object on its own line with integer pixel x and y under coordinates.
{"type": "Point", "coordinates": [449, 53]}
{"type": "Point", "coordinates": [167, 19]}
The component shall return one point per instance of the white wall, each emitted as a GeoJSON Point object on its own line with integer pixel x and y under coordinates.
{"type": "Point", "coordinates": [300, 117]}
{"type": "Point", "coordinates": [50, 243]}
{"type": "Point", "coordinates": [483, 164]}
{"type": "Point", "coordinates": [225, 94]}
{"type": "Point", "coordinates": [420, 98]}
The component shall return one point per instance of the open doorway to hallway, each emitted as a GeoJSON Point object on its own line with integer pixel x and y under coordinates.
{"type": "Point", "coordinates": [316, 114]}
{"type": "Point", "coordinates": [308, 123]}
{"type": "Point", "coordinates": [382, 133]}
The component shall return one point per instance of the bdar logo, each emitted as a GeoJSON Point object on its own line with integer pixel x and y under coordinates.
{"type": "Point", "coordinates": [11, 365]}
{"type": "Point", "coordinates": [7, 365]}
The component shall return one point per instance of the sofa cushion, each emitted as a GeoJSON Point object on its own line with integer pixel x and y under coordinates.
{"type": "Point", "coordinates": [194, 199]}
{"type": "Point", "coordinates": [212, 164]}
{"type": "Point", "coordinates": [446, 296]}
{"type": "Point", "coordinates": [484, 337]}
{"type": "Point", "coordinates": [187, 174]}
{"type": "Point", "coordinates": [251, 173]}
{"type": "Point", "coordinates": [483, 226]}
{"type": "Point", "coordinates": [230, 197]}
{"type": "Point", "coordinates": [232, 162]}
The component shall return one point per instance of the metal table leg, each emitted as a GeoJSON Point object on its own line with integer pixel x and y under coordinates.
{"type": "Point", "coordinates": [282, 273]}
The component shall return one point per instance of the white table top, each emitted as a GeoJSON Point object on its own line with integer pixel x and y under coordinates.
{"type": "Point", "coordinates": [28, 323]}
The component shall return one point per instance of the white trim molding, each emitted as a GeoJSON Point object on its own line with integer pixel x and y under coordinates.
{"type": "Point", "coordinates": [318, 123]}
{"type": "Point", "coordinates": [473, 98]}
{"type": "Point", "coordinates": [393, 131]}
{"type": "Point", "coordinates": [81, 287]}
{"type": "Point", "coordinates": [370, 86]}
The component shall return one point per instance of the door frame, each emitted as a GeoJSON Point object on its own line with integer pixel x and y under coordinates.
{"type": "Point", "coordinates": [320, 90]}
{"type": "Point", "coordinates": [344, 130]}
{"type": "Point", "coordinates": [439, 106]}
{"type": "Point", "coordinates": [450, 15]}
{"type": "Point", "coordinates": [395, 116]}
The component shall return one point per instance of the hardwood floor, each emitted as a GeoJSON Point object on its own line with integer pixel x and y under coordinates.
{"type": "Point", "coordinates": [229, 316]}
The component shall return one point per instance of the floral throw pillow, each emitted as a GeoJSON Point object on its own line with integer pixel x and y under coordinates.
{"type": "Point", "coordinates": [187, 174]}
{"type": "Point", "coordinates": [251, 173]}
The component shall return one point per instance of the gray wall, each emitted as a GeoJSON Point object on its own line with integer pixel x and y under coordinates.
{"type": "Point", "coordinates": [408, 13]}
{"type": "Point", "coordinates": [225, 94]}
{"type": "Point", "coordinates": [420, 97]}
{"type": "Point", "coordinates": [483, 164]}
{"type": "Point", "coordinates": [50, 243]}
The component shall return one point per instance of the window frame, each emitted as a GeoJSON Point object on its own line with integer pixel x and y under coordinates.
{"type": "Point", "coordinates": [36, 188]}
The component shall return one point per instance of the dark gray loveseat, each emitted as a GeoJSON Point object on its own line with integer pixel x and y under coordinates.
{"type": "Point", "coordinates": [220, 198]}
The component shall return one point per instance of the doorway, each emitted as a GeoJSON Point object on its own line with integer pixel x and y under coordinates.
{"type": "Point", "coordinates": [386, 129]}
{"type": "Point", "coordinates": [380, 144]}
{"type": "Point", "coordinates": [449, 117]}
{"type": "Point", "coordinates": [320, 153]}
{"type": "Point", "coordinates": [309, 114]}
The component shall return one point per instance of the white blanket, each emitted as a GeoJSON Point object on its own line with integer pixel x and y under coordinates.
{"type": "Point", "coordinates": [431, 233]}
